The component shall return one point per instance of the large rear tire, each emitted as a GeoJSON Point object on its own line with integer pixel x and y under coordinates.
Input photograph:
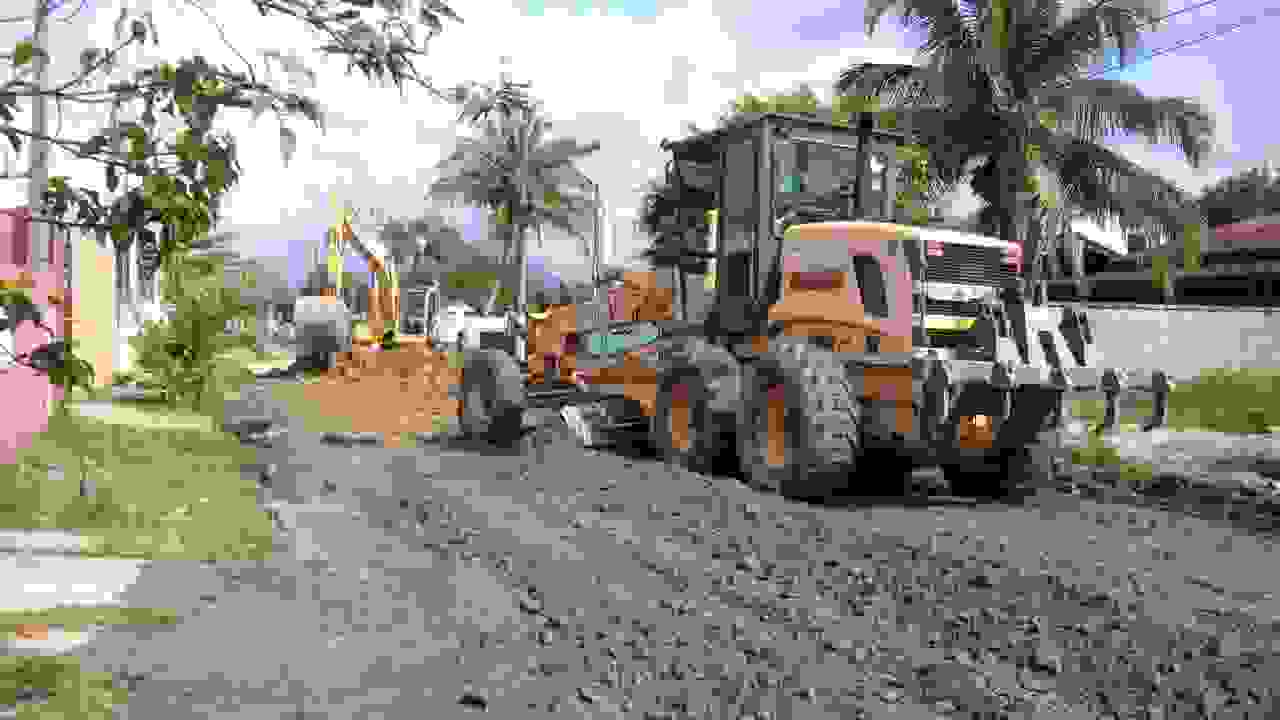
{"type": "Point", "coordinates": [798, 429]}
{"type": "Point", "coordinates": [493, 396]}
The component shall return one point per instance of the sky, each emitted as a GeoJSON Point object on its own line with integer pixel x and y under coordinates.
{"type": "Point", "coordinates": [627, 74]}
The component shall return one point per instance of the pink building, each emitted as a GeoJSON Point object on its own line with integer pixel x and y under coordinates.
{"type": "Point", "coordinates": [28, 395]}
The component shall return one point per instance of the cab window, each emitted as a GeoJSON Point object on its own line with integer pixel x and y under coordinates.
{"type": "Point", "coordinates": [871, 283]}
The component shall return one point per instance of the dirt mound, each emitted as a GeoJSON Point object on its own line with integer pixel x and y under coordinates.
{"type": "Point", "coordinates": [406, 390]}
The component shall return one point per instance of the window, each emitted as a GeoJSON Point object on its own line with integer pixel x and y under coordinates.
{"type": "Point", "coordinates": [123, 285]}
{"type": "Point", "coordinates": [735, 275]}
{"type": "Point", "coordinates": [871, 284]}
{"type": "Point", "coordinates": [739, 224]}
{"type": "Point", "coordinates": [877, 203]}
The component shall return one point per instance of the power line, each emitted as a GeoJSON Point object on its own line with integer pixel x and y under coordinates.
{"type": "Point", "coordinates": [1219, 32]}
{"type": "Point", "coordinates": [1188, 8]}
{"type": "Point", "coordinates": [1144, 23]}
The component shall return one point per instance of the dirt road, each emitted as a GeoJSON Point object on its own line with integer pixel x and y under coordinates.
{"type": "Point", "coordinates": [559, 582]}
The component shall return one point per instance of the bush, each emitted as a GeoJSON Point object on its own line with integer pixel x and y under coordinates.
{"type": "Point", "coordinates": [389, 340]}
{"type": "Point", "coordinates": [181, 354]}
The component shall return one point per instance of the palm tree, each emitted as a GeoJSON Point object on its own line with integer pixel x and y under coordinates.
{"type": "Point", "coordinates": [1001, 97]}
{"type": "Point", "coordinates": [674, 216]}
{"type": "Point", "coordinates": [517, 170]}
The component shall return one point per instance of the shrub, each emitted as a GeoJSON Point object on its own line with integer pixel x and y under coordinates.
{"type": "Point", "coordinates": [181, 353]}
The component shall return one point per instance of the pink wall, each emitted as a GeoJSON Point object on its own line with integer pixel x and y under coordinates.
{"type": "Point", "coordinates": [27, 394]}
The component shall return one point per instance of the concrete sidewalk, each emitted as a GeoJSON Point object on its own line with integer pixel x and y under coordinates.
{"type": "Point", "coordinates": [40, 570]}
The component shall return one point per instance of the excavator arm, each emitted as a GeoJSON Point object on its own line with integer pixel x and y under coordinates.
{"type": "Point", "coordinates": [363, 238]}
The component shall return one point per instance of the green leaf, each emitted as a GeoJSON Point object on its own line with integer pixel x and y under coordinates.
{"type": "Point", "coordinates": [23, 53]}
{"type": "Point", "coordinates": [119, 234]}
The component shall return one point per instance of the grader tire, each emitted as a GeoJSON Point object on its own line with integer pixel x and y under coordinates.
{"type": "Point", "coordinates": [807, 389]}
{"type": "Point", "coordinates": [493, 396]}
{"type": "Point", "coordinates": [683, 432]}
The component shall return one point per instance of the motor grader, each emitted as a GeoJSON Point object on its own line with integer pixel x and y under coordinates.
{"type": "Point", "coordinates": [807, 366]}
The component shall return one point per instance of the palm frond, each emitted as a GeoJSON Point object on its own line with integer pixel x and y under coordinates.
{"type": "Point", "coordinates": [1105, 186]}
{"type": "Point", "coordinates": [1094, 109]}
{"type": "Point", "coordinates": [1065, 51]}
{"type": "Point", "coordinates": [895, 85]}
{"type": "Point", "coordinates": [944, 22]}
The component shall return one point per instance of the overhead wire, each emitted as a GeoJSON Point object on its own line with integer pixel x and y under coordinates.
{"type": "Point", "coordinates": [1220, 31]}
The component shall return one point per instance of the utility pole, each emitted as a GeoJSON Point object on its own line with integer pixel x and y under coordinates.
{"type": "Point", "coordinates": [595, 236]}
{"type": "Point", "coordinates": [39, 235]}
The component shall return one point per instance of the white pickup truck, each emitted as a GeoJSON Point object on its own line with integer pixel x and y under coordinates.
{"type": "Point", "coordinates": [462, 319]}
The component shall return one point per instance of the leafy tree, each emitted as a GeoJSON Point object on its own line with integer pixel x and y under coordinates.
{"type": "Point", "coordinates": [56, 359]}
{"type": "Point", "coordinates": [1001, 97]}
{"type": "Point", "coordinates": [515, 169]}
{"type": "Point", "coordinates": [674, 216]}
{"type": "Point", "coordinates": [182, 177]}
{"type": "Point", "coordinates": [1240, 197]}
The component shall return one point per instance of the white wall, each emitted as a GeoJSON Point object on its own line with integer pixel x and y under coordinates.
{"type": "Point", "coordinates": [132, 311]}
{"type": "Point", "coordinates": [1184, 342]}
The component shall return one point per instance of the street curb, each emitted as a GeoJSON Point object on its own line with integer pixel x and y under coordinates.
{"type": "Point", "coordinates": [371, 439]}
{"type": "Point", "coordinates": [41, 542]}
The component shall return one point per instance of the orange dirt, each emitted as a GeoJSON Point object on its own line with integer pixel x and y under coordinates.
{"type": "Point", "coordinates": [389, 391]}
{"type": "Point", "coordinates": [32, 632]}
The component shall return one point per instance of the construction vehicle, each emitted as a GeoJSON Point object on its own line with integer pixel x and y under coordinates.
{"type": "Point", "coordinates": [352, 232]}
{"type": "Point", "coordinates": [809, 367]}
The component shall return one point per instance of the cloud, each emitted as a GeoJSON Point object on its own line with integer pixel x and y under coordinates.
{"type": "Point", "coordinates": [695, 56]}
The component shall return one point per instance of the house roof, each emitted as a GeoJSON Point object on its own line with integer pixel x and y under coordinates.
{"type": "Point", "coordinates": [1259, 230]}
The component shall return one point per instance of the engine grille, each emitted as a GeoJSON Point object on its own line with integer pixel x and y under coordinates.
{"type": "Point", "coordinates": [952, 308]}
{"type": "Point", "coordinates": [969, 265]}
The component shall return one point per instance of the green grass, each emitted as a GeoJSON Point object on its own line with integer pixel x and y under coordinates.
{"type": "Point", "coordinates": [1098, 454]}
{"type": "Point", "coordinates": [168, 483]}
{"type": "Point", "coordinates": [254, 362]}
{"type": "Point", "coordinates": [1231, 401]}
{"type": "Point", "coordinates": [72, 692]}
{"type": "Point", "coordinates": [77, 618]}
{"type": "Point", "coordinates": [159, 493]}
{"type": "Point", "coordinates": [307, 411]}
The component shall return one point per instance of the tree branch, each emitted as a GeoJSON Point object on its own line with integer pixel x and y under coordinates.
{"type": "Point", "coordinates": [218, 26]}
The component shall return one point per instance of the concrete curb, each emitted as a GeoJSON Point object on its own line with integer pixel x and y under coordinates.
{"type": "Point", "coordinates": [351, 439]}
{"type": "Point", "coordinates": [41, 542]}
